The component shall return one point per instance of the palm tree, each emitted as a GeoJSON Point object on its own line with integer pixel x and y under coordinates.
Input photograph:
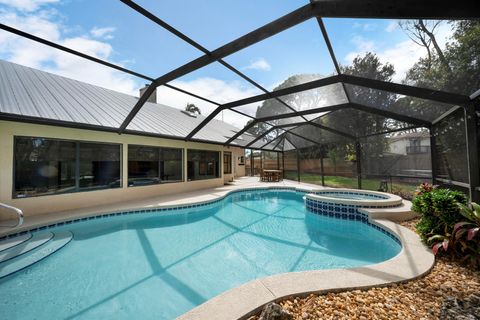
{"type": "Point", "coordinates": [192, 108]}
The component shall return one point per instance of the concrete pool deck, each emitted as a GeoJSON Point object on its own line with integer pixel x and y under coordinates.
{"type": "Point", "coordinates": [413, 261]}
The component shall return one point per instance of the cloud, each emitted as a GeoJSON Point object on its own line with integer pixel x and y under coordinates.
{"type": "Point", "coordinates": [103, 33]}
{"type": "Point", "coordinates": [362, 46]}
{"type": "Point", "coordinates": [365, 26]}
{"type": "Point", "coordinates": [45, 24]}
{"type": "Point", "coordinates": [27, 5]}
{"type": "Point", "coordinates": [392, 26]}
{"type": "Point", "coordinates": [259, 64]}
{"type": "Point", "coordinates": [219, 91]}
{"type": "Point", "coordinates": [402, 55]}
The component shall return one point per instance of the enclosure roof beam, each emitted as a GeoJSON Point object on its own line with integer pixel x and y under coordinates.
{"type": "Point", "coordinates": [264, 96]}
{"type": "Point", "coordinates": [268, 142]}
{"type": "Point", "coordinates": [239, 133]}
{"type": "Point", "coordinates": [475, 95]}
{"type": "Point", "coordinates": [340, 133]}
{"type": "Point", "coordinates": [147, 14]}
{"type": "Point", "coordinates": [423, 93]}
{"type": "Point", "coordinates": [390, 114]}
{"type": "Point", "coordinates": [71, 51]}
{"type": "Point", "coordinates": [287, 21]}
{"type": "Point", "coordinates": [280, 126]}
{"type": "Point", "coordinates": [304, 138]}
{"type": "Point", "coordinates": [96, 60]}
{"type": "Point", "coordinates": [398, 9]}
{"type": "Point", "coordinates": [446, 114]}
{"type": "Point", "coordinates": [280, 137]}
{"type": "Point", "coordinates": [389, 131]}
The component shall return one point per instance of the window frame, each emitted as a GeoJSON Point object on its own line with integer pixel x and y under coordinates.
{"type": "Point", "coordinates": [158, 164]}
{"type": "Point", "coordinates": [77, 165]}
{"type": "Point", "coordinates": [220, 164]}
{"type": "Point", "coordinates": [229, 166]}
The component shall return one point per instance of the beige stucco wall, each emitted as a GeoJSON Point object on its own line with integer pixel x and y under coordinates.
{"type": "Point", "coordinates": [62, 202]}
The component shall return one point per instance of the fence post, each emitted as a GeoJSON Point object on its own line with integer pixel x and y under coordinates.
{"type": "Point", "coordinates": [432, 155]}
{"type": "Point", "coordinates": [252, 164]}
{"type": "Point", "coordinates": [321, 167]}
{"type": "Point", "coordinates": [298, 165]}
{"type": "Point", "coordinates": [358, 153]}
{"type": "Point", "coordinates": [472, 152]}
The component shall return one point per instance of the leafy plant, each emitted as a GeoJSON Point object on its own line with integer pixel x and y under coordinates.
{"type": "Point", "coordinates": [464, 241]}
{"type": "Point", "coordinates": [438, 209]}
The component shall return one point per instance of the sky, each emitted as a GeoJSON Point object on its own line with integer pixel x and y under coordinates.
{"type": "Point", "coordinates": [112, 31]}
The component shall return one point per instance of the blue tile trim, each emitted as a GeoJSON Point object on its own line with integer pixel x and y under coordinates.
{"type": "Point", "coordinates": [345, 212]}
{"type": "Point", "coordinates": [317, 207]}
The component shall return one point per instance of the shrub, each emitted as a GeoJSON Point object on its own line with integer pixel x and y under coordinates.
{"type": "Point", "coordinates": [438, 209]}
{"type": "Point", "coordinates": [464, 241]}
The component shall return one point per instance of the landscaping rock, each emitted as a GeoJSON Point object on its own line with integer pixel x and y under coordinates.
{"type": "Point", "coordinates": [456, 309]}
{"type": "Point", "coordinates": [273, 311]}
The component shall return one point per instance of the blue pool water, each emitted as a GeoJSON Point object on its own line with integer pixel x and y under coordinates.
{"type": "Point", "coordinates": [148, 266]}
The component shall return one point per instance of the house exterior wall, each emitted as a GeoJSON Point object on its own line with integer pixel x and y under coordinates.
{"type": "Point", "coordinates": [399, 146]}
{"type": "Point", "coordinates": [69, 201]}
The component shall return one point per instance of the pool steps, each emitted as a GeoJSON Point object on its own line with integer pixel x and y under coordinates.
{"type": "Point", "coordinates": [31, 250]}
{"type": "Point", "coordinates": [403, 212]}
{"type": "Point", "coordinates": [11, 242]}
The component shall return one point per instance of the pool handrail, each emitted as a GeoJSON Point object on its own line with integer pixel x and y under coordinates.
{"type": "Point", "coordinates": [18, 211]}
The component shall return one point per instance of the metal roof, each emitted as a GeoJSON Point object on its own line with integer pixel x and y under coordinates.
{"type": "Point", "coordinates": [36, 94]}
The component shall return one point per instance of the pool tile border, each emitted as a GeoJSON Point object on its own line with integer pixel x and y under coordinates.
{"type": "Point", "coordinates": [166, 208]}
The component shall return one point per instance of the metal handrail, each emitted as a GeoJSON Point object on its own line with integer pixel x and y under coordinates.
{"type": "Point", "coordinates": [17, 211]}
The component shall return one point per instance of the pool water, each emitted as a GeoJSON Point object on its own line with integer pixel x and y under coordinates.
{"type": "Point", "coordinates": [148, 266]}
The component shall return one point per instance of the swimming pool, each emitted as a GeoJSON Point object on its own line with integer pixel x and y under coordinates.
{"type": "Point", "coordinates": [158, 266]}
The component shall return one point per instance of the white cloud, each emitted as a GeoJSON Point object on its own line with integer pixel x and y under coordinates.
{"type": "Point", "coordinates": [365, 26]}
{"type": "Point", "coordinates": [214, 89]}
{"type": "Point", "coordinates": [259, 64]}
{"type": "Point", "coordinates": [45, 24]}
{"type": "Point", "coordinates": [27, 5]}
{"type": "Point", "coordinates": [362, 45]}
{"type": "Point", "coordinates": [392, 26]}
{"type": "Point", "coordinates": [103, 33]}
{"type": "Point", "coordinates": [401, 55]}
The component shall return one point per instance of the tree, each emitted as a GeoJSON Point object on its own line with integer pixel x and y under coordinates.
{"type": "Point", "coordinates": [190, 107]}
{"type": "Point", "coordinates": [422, 32]}
{"type": "Point", "coordinates": [462, 53]}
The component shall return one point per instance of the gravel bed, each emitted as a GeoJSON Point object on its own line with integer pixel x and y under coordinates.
{"type": "Point", "coordinates": [417, 299]}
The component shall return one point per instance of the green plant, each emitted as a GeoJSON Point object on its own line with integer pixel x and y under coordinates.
{"type": "Point", "coordinates": [463, 242]}
{"type": "Point", "coordinates": [438, 209]}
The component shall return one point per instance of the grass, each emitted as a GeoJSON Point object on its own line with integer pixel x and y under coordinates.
{"type": "Point", "coordinates": [404, 189]}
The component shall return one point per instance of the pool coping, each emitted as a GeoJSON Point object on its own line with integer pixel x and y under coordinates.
{"type": "Point", "coordinates": [413, 261]}
{"type": "Point", "coordinates": [385, 200]}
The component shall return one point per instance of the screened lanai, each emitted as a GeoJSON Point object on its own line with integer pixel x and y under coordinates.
{"type": "Point", "coordinates": [325, 122]}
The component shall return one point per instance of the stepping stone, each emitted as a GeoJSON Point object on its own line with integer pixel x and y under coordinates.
{"type": "Point", "coordinates": [59, 240]}
{"type": "Point", "coordinates": [12, 242]}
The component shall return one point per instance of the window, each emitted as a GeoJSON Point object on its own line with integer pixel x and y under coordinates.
{"type": "Point", "coordinates": [203, 164]}
{"type": "Point", "coordinates": [99, 166]}
{"type": "Point", "coordinates": [152, 165]}
{"type": "Point", "coordinates": [50, 166]}
{"type": "Point", "coordinates": [227, 162]}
